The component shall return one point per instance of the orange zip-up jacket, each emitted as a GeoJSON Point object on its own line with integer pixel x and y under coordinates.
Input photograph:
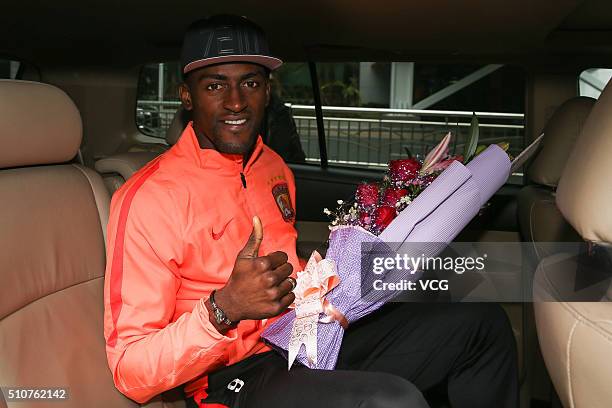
{"type": "Point", "coordinates": [174, 232]}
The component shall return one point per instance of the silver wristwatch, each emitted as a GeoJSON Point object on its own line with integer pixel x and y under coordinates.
{"type": "Point", "coordinates": [220, 316]}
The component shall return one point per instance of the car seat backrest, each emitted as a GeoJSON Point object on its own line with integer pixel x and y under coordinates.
{"type": "Point", "coordinates": [52, 221]}
{"type": "Point", "coordinates": [572, 290]}
{"type": "Point", "coordinates": [584, 194]}
{"type": "Point", "coordinates": [539, 217]}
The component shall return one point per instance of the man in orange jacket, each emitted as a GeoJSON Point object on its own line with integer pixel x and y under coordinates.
{"type": "Point", "coordinates": [201, 253]}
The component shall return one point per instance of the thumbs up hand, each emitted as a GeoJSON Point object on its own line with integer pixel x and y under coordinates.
{"type": "Point", "coordinates": [258, 287]}
{"type": "Point", "coordinates": [251, 248]}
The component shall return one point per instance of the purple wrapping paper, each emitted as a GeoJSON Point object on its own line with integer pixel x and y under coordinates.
{"type": "Point", "coordinates": [433, 219]}
{"type": "Point", "coordinates": [345, 250]}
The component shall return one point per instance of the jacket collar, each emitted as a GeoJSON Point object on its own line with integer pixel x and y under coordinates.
{"type": "Point", "coordinates": [188, 146]}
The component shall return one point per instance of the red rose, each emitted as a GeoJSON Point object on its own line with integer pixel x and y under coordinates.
{"type": "Point", "coordinates": [383, 217]}
{"type": "Point", "coordinates": [393, 195]}
{"type": "Point", "coordinates": [367, 194]}
{"type": "Point", "coordinates": [403, 170]}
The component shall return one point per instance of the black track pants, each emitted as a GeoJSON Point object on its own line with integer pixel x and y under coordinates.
{"type": "Point", "coordinates": [386, 360]}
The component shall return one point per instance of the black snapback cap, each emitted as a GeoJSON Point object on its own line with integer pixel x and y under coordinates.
{"type": "Point", "coordinates": [225, 38]}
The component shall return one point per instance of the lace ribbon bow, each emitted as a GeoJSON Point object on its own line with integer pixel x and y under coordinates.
{"type": "Point", "coordinates": [313, 283]}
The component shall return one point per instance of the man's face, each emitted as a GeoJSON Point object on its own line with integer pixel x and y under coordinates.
{"type": "Point", "coordinates": [228, 103]}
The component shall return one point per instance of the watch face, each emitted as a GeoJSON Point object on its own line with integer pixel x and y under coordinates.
{"type": "Point", "coordinates": [219, 317]}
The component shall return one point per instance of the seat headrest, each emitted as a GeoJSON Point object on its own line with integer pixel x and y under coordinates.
{"type": "Point", "coordinates": [39, 124]}
{"type": "Point", "coordinates": [584, 194]}
{"type": "Point", "coordinates": [560, 134]}
{"type": "Point", "coordinates": [179, 123]}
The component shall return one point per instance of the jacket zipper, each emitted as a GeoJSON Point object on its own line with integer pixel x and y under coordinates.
{"type": "Point", "coordinates": [243, 179]}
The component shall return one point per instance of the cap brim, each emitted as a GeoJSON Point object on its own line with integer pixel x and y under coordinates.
{"type": "Point", "coordinates": [269, 62]}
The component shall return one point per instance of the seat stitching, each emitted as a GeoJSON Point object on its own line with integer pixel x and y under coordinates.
{"type": "Point", "coordinates": [569, 364]}
{"type": "Point", "coordinates": [535, 247]}
{"type": "Point", "coordinates": [574, 312]}
{"type": "Point", "coordinates": [531, 219]}
{"type": "Point", "coordinates": [49, 294]}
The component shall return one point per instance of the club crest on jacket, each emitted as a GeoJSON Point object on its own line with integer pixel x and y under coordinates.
{"type": "Point", "coordinates": [283, 201]}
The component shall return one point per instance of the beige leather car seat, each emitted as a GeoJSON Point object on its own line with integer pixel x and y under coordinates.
{"type": "Point", "coordinates": [576, 337]}
{"type": "Point", "coordinates": [116, 169]}
{"type": "Point", "coordinates": [52, 222]}
{"type": "Point", "coordinates": [539, 217]}
{"type": "Point", "coordinates": [53, 219]}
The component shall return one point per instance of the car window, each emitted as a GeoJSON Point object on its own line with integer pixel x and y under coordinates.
{"type": "Point", "coordinates": [9, 69]}
{"type": "Point", "coordinates": [379, 111]}
{"type": "Point", "coordinates": [157, 99]}
{"type": "Point", "coordinates": [591, 82]}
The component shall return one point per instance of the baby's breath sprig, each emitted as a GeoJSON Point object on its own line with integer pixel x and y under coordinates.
{"type": "Point", "coordinates": [345, 214]}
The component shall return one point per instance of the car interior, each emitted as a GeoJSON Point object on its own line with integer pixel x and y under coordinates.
{"type": "Point", "coordinates": [88, 95]}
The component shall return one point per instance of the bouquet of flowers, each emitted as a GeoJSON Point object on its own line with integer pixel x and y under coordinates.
{"type": "Point", "coordinates": [426, 202]}
{"type": "Point", "coordinates": [377, 204]}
